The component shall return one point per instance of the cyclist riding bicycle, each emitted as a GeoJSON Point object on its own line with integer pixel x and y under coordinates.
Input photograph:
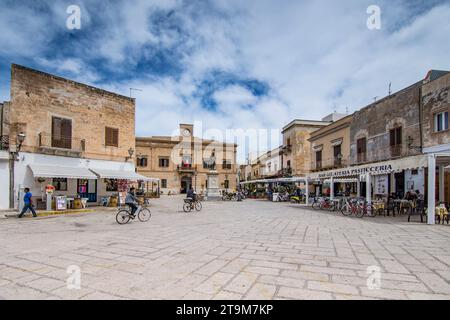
{"type": "Point", "coordinates": [190, 194]}
{"type": "Point", "coordinates": [132, 201]}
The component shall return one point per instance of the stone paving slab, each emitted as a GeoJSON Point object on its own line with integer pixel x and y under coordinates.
{"type": "Point", "coordinates": [246, 250]}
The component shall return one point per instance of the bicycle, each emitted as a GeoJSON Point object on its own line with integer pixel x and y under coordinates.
{"type": "Point", "coordinates": [229, 197]}
{"type": "Point", "coordinates": [124, 215]}
{"type": "Point", "coordinates": [190, 204]}
{"type": "Point", "coordinates": [357, 208]}
{"type": "Point", "coordinates": [324, 204]}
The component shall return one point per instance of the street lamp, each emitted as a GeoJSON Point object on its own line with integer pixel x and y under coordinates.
{"type": "Point", "coordinates": [130, 152]}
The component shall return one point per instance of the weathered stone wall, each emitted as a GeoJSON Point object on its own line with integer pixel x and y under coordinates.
{"type": "Point", "coordinates": [435, 99]}
{"type": "Point", "coordinates": [37, 96]}
{"type": "Point", "coordinates": [375, 121]}
{"type": "Point", "coordinates": [155, 148]}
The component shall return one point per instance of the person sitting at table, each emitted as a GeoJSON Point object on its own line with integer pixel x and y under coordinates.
{"type": "Point", "coordinates": [420, 196]}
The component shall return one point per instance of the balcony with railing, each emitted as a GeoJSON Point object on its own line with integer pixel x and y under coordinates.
{"type": "Point", "coordinates": [396, 151]}
{"type": "Point", "coordinates": [61, 145]}
{"type": "Point", "coordinates": [328, 164]}
{"type": "Point", "coordinates": [186, 168]}
{"type": "Point", "coordinates": [4, 143]}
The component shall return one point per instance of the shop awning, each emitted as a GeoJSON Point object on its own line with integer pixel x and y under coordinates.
{"type": "Point", "coordinates": [40, 171]}
{"type": "Point", "coordinates": [121, 175]}
{"type": "Point", "coordinates": [280, 180]}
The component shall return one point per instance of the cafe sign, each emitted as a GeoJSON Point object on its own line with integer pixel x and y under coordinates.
{"type": "Point", "coordinates": [357, 171]}
{"type": "Point", "coordinates": [375, 168]}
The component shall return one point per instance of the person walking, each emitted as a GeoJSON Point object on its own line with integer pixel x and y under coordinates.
{"type": "Point", "coordinates": [27, 203]}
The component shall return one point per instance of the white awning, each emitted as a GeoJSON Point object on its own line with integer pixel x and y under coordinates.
{"type": "Point", "coordinates": [121, 175]}
{"type": "Point", "coordinates": [276, 180]}
{"type": "Point", "coordinates": [40, 171]}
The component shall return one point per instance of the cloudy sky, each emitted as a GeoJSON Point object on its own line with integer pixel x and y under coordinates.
{"type": "Point", "coordinates": [230, 63]}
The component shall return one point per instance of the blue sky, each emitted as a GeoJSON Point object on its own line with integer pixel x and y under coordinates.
{"type": "Point", "coordinates": [230, 63]}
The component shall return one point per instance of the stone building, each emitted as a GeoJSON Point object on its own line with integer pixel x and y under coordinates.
{"type": "Point", "coordinates": [435, 128]}
{"type": "Point", "coordinates": [77, 137]}
{"type": "Point", "coordinates": [296, 149]}
{"type": "Point", "coordinates": [185, 161]}
{"type": "Point", "coordinates": [330, 149]}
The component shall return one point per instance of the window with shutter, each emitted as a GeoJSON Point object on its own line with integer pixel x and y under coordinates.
{"type": "Point", "coordinates": [111, 137]}
{"type": "Point", "coordinates": [61, 133]}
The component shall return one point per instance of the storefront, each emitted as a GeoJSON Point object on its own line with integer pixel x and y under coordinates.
{"type": "Point", "coordinates": [72, 177]}
{"type": "Point", "coordinates": [376, 179]}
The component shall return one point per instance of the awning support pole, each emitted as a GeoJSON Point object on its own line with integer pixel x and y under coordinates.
{"type": "Point", "coordinates": [441, 183]}
{"type": "Point", "coordinates": [431, 188]}
{"type": "Point", "coordinates": [358, 188]}
{"type": "Point", "coordinates": [307, 192]}
{"type": "Point", "coordinates": [331, 188]}
{"type": "Point", "coordinates": [368, 188]}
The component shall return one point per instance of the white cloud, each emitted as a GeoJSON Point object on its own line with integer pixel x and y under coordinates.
{"type": "Point", "coordinates": [312, 55]}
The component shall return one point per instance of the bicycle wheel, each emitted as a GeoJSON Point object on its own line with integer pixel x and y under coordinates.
{"type": "Point", "coordinates": [144, 215]}
{"type": "Point", "coordinates": [122, 217]}
{"type": "Point", "coordinates": [332, 206]}
{"type": "Point", "coordinates": [198, 206]}
{"type": "Point", "coordinates": [360, 212]}
{"type": "Point", "coordinates": [187, 207]}
{"type": "Point", "coordinates": [370, 212]}
{"type": "Point", "coordinates": [316, 205]}
{"type": "Point", "coordinates": [346, 209]}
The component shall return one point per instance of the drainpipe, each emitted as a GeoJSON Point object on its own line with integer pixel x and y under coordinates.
{"type": "Point", "coordinates": [420, 119]}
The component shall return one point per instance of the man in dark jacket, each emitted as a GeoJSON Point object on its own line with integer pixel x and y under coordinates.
{"type": "Point", "coordinates": [131, 200]}
{"type": "Point", "coordinates": [27, 203]}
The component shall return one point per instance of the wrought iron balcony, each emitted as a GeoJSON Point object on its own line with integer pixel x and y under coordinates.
{"type": "Point", "coordinates": [327, 164]}
{"type": "Point", "coordinates": [186, 167]}
{"type": "Point", "coordinates": [58, 144]}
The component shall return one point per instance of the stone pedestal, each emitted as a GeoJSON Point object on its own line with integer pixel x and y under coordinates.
{"type": "Point", "coordinates": [213, 192]}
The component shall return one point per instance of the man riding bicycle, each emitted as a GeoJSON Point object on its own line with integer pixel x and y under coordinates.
{"type": "Point", "coordinates": [190, 194]}
{"type": "Point", "coordinates": [132, 201]}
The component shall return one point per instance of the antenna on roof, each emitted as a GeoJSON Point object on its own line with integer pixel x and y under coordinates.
{"type": "Point", "coordinates": [375, 98]}
{"type": "Point", "coordinates": [346, 110]}
{"type": "Point", "coordinates": [134, 89]}
{"type": "Point", "coordinates": [390, 84]}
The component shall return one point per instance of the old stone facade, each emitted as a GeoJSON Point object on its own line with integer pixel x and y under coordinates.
{"type": "Point", "coordinates": [330, 145]}
{"type": "Point", "coordinates": [69, 130]}
{"type": "Point", "coordinates": [296, 150]}
{"type": "Point", "coordinates": [37, 98]}
{"type": "Point", "coordinates": [436, 100]}
{"type": "Point", "coordinates": [436, 126]}
{"type": "Point", "coordinates": [371, 128]}
{"type": "Point", "coordinates": [184, 161]}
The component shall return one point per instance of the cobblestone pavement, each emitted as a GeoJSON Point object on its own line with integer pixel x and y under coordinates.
{"type": "Point", "coordinates": [246, 250]}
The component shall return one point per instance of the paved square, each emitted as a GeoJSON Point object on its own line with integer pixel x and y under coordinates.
{"type": "Point", "coordinates": [231, 250]}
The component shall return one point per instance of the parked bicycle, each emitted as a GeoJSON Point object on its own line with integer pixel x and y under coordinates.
{"type": "Point", "coordinates": [190, 204]}
{"type": "Point", "coordinates": [324, 204]}
{"type": "Point", "coordinates": [357, 208]}
{"type": "Point", "coordinates": [229, 196]}
{"type": "Point", "coordinates": [124, 215]}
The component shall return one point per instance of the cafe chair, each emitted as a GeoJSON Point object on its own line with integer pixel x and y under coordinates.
{"type": "Point", "coordinates": [418, 209]}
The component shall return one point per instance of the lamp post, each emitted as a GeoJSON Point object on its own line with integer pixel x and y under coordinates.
{"type": "Point", "coordinates": [130, 152]}
{"type": "Point", "coordinates": [13, 157]}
